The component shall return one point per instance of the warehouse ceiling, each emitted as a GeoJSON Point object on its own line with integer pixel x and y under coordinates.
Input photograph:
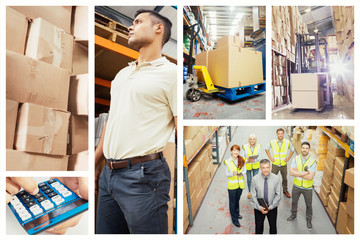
{"type": "Point", "coordinates": [318, 17]}
{"type": "Point", "coordinates": [125, 16]}
{"type": "Point", "coordinates": [222, 20]}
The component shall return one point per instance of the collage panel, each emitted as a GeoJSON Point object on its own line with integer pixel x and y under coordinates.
{"type": "Point", "coordinates": [46, 88]}
{"type": "Point", "coordinates": [236, 176]}
{"type": "Point", "coordinates": [224, 69]}
{"type": "Point", "coordinates": [47, 205]}
{"type": "Point", "coordinates": [135, 119]}
{"type": "Point", "coordinates": [312, 50]}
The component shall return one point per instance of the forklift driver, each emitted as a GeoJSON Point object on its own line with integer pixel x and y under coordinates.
{"type": "Point", "coordinates": [312, 60]}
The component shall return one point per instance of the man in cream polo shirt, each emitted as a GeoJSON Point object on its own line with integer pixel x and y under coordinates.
{"type": "Point", "coordinates": [134, 184]}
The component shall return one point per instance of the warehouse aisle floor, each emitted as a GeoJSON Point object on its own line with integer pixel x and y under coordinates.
{"type": "Point", "coordinates": [343, 109]}
{"type": "Point", "coordinates": [214, 217]}
{"type": "Point", "coordinates": [212, 107]}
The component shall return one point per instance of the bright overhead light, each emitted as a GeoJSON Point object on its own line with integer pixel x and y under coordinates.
{"type": "Point", "coordinates": [212, 14]}
{"type": "Point", "coordinates": [316, 30]}
{"type": "Point", "coordinates": [239, 16]}
{"type": "Point", "coordinates": [307, 10]}
{"type": "Point", "coordinates": [231, 8]}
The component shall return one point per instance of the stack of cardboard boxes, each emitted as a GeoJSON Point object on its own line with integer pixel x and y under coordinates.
{"type": "Point", "coordinates": [346, 212]}
{"type": "Point", "coordinates": [201, 170]}
{"type": "Point", "coordinates": [230, 65]}
{"type": "Point", "coordinates": [286, 22]}
{"type": "Point", "coordinates": [332, 178]}
{"type": "Point", "coordinates": [195, 137]}
{"type": "Point", "coordinates": [45, 89]}
{"type": "Point", "coordinates": [344, 28]}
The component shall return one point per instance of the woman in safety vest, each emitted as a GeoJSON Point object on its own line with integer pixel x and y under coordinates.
{"type": "Point", "coordinates": [235, 171]}
{"type": "Point", "coordinates": [252, 159]}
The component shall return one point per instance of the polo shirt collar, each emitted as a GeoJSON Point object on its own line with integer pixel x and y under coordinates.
{"type": "Point", "coordinates": [155, 63]}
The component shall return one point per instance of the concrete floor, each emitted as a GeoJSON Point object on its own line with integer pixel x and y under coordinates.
{"type": "Point", "coordinates": [213, 107]}
{"type": "Point", "coordinates": [214, 217]}
{"type": "Point", "coordinates": [343, 109]}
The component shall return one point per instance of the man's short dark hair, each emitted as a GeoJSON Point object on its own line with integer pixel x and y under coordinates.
{"type": "Point", "coordinates": [265, 161]}
{"type": "Point", "coordinates": [279, 130]}
{"type": "Point", "coordinates": [305, 143]}
{"type": "Point", "coordinates": [159, 19]}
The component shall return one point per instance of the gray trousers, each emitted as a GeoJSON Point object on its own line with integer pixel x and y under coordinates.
{"type": "Point", "coordinates": [283, 170]}
{"type": "Point", "coordinates": [296, 192]}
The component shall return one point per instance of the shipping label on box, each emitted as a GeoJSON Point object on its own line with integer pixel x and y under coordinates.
{"type": "Point", "coordinates": [29, 80]}
{"type": "Point", "coordinates": [42, 130]}
{"type": "Point", "coordinates": [16, 30]}
{"type": "Point", "coordinates": [11, 116]}
{"type": "Point", "coordinates": [25, 161]}
{"type": "Point", "coordinates": [48, 43]}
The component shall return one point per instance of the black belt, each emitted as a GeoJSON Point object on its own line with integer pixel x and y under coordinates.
{"type": "Point", "coordinates": [123, 163]}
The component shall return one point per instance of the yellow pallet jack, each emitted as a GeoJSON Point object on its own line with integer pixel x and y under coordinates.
{"type": "Point", "coordinates": [201, 82]}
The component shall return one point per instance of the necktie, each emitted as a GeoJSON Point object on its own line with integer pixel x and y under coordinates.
{"type": "Point", "coordinates": [266, 191]}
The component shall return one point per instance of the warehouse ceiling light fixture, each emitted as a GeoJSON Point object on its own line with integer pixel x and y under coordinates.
{"type": "Point", "coordinates": [307, 10]}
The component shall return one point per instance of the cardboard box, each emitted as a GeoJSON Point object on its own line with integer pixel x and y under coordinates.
{"type": "Point", "coordinates": [78, 95]}
{"type": "Point", "coordinates": [231, 67]}
{"type": "Point", "coordinates": [58, 15]}
{"type": "Point", "coordinates": [191, 131]}
{"type": "Point", "coordinates": [29, 80]}
{"type": "Point", "coordinates": [189, 150]}
{"type": "Point", "coordinates": [342, 219]}
{"type": "Point", "coordinates": [80, 24]}
{"type": "Point", "coordinates": [350, 208]}
{"type": "Point", "coordinates": [11, 116]}
{"type": "Point", "coordinates": [78, 133]}
{"type": "Point", "coordinates": [48, 43]}
{"type": "Point", "coordinates": [229, 40]}
{"type": "Point", "coordinates": [307, 99]}
{"type": "Point", "coordinates": [16, 30]}
{"type": "Point", "coordinates": [349, 177]}
{"type": "Point", "coordinates": [201, 59]}
{"type": "Point", "coordinates": [306, 82]}
{"type": "Point", "coordinates": [79, 162]}
{"type": "Point", "coordinates": [335, 149]}
{"type": "Point", "coordinates": [80, 59]}
{"type": "Point", "coordinates": [351, 194]}
{"type": "Point", "coordinates": [41, 130]}
{"type": "Point", "coordinates": [350, 225]}
{"type": "Point", "coordinates": [25, 161]}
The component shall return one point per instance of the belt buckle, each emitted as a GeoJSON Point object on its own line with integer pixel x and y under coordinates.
{"type": "Point", "coordinates": [111, 165]}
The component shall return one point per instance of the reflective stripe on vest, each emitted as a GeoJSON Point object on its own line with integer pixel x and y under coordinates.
{"type": "Point", "coordinates": [234, 182]}
{"type": "Point", "coordinates": [280, 152]}
{"type": "Point", "coordinates": [300, 182]}
{"type": "Point", "coordinates": [248, 152]}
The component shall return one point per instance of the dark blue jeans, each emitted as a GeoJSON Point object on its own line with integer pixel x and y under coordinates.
{"type": "Point", "coordinates": [249, 177]}
{"type": "Point", "coordinates": [234, 198]}
{"type": "Point", "coordinates": [134, 199]}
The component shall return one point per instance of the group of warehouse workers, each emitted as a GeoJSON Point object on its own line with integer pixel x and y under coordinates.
{"type": "Point", "coordinates": [264, 188]}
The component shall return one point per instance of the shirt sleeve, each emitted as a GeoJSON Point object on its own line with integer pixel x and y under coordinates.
{"type": "Point", "coordinates": [277, 197]}
{"type": "Point", "coordinates": [268, 147]}
{"type": "Point", "coordinates": [227, 173]}
{"type": "Point", "coordinates": [254, 196]}
{"type": "Point", "coordinates": [293, 163]}
{"type": "Point", "coordinates": [291, 147]}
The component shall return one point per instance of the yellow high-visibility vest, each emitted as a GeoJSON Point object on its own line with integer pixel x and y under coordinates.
{"type": "Point", "coordinates": [234, 182]}
{"type": "Point", "coordinates": [300, 182]}
{"type": "Point", "coordinates": [280, 152]}
{"type": "Point", "coordinates": [247, 149]}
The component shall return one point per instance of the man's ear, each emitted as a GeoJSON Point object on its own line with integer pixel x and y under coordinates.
{"type": "Point", "coordinates": [159, 28]}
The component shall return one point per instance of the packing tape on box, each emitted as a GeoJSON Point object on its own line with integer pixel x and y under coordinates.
{"type": "Point", "coordinates": [46, 132]}
{"type": "Point", "coordinates": [57, 54]}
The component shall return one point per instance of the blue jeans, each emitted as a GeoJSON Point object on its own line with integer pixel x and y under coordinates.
{"type": "Point", "coordinates": [234, 205]}
{"type": "Point", "coordinates": [134, 199]}
{"type": "Point", "coordinates": [249, 177]}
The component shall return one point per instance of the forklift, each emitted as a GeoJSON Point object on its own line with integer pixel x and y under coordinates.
{"type": "Point", "coordinates": [201, 81]}
{"type": "Point", "coordinates": [314, 64]}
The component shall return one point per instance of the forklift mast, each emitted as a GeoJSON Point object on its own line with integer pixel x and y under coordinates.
{"type": "Point", "coordinates": [301, 61]}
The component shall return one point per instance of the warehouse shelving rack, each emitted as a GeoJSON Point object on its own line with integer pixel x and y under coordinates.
{"type": "Point", "coordinates": [348, 153]}
{"type": "Point", "coordinates": [287, 97]}
{"type": "Point", "coordinates": [187, 162]}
